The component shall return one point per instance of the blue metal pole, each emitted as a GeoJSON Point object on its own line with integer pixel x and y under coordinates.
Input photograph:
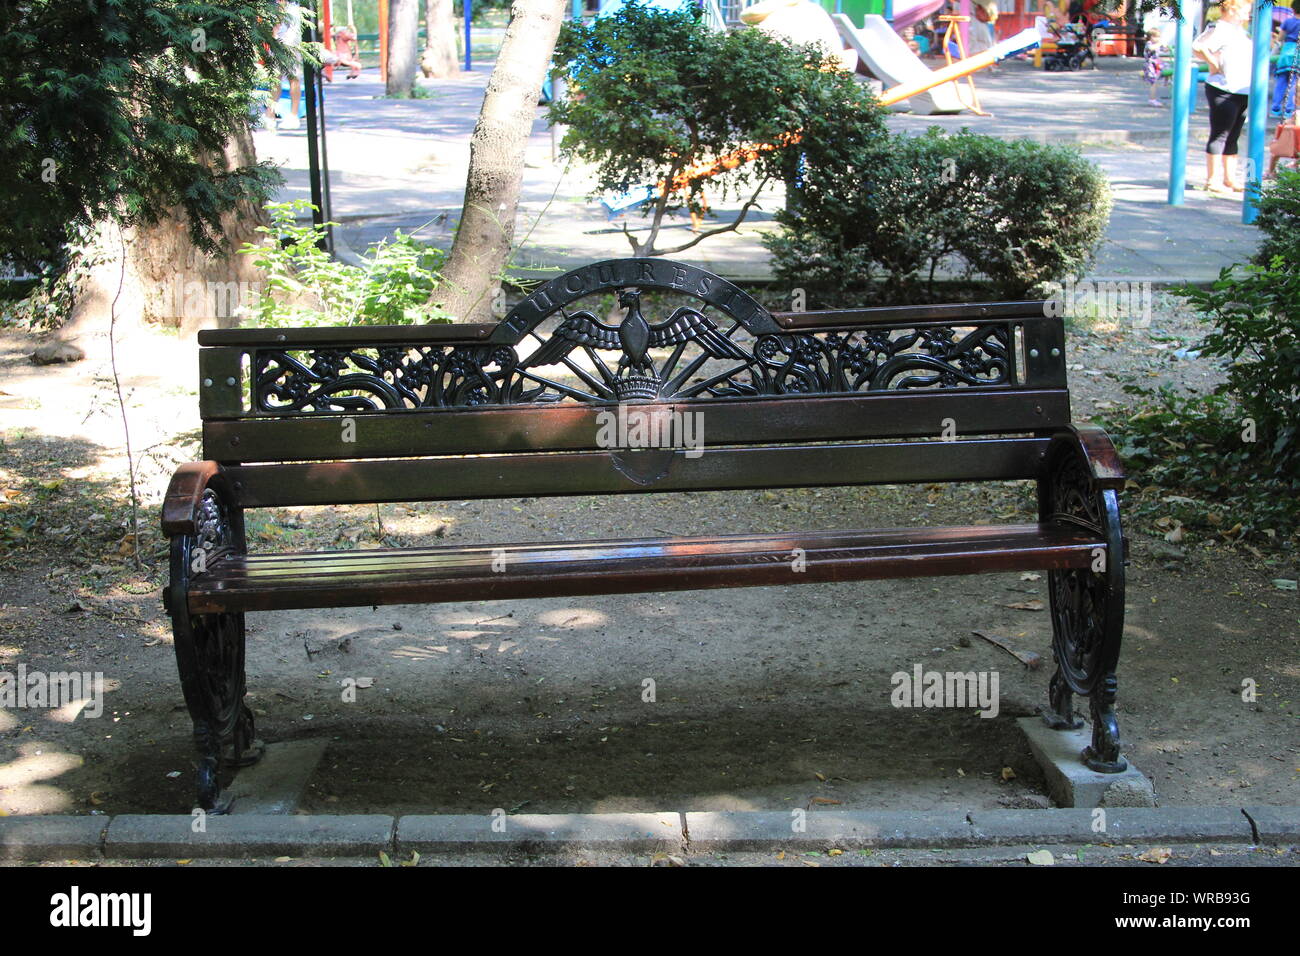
{"type": "Point", "coordinates": [1257, 110]}
{"type": "Point", "coordinates": [1182, 100]}
{"type": "Point", "coordinates": [577, 11]}
{"type": "Point", "coordinates": [469, 15]}
{"type": "Point", "coordinates": [888, 11]}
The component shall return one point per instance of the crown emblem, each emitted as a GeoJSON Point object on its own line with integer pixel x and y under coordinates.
{"type": "Point", "coordinates": [637, 388]}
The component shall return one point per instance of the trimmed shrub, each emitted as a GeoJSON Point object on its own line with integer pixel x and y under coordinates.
{"type": "Point", "coordinates": [897, 211]}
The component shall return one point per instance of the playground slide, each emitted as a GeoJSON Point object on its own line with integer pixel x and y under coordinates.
{"type": "Point", "coordinates": [1022, 41]}
{"type": "Point", "coordinates": [888, 57]}
{"type": "Point", "coordinates": [906, 14]}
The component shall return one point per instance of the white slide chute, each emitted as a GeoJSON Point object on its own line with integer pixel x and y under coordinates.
{"type": "Point", "coordinates": [887, 55]}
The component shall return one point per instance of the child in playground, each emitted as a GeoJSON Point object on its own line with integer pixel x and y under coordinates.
{"type": "Point", "coordinates": [345, 51]}
{"type": "Point", "coordinates": [289, 32]}
{"type": "Point", "coordinates": [1153, 67]}
{"type": "Point", "coordinates": [1287, 36]}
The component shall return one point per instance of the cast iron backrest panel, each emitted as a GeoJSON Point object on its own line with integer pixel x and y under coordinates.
{"type": "Point", "coordinates": [664, 333]}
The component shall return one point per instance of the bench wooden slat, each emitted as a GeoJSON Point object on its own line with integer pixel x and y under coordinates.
{"type": "Point", "coordinates": [579, 473]}
{"type": "Point", "coordinates": [576, 427]}
{"type": "Point", "coordinates": [572, 569]}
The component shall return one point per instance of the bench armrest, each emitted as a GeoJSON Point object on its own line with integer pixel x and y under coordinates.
{"type": "Point", "coordinates": [184, 494]}
{"type": "Point", "coordinates": [1097, 450]}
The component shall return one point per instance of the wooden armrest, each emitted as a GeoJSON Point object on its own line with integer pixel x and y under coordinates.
{"type": "Point", "coordinates": [183, 495]}
{"type": "Point", "coordinates": [1095, 445]}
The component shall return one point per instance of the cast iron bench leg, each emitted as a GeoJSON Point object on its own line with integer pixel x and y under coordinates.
{"type": "Point", "coordinates": [1087, 606]}
{"type": "Point", "coordinates": [210, 652]}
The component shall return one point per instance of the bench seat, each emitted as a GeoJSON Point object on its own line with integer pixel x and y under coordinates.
{"type": "Point", "coordinates": [263, 582]}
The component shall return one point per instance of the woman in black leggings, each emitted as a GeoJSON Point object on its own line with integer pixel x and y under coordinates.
{"type": "Point", "coordinates": [1227, 48]}
{"type": "Point", "coordinates": [1227, 116]}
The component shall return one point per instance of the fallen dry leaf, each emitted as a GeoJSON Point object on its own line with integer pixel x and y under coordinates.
{"type": "Point", "coordinates": [1034, 605]}
{"type": "Point", "coordinates": [1157, 854]}
{"type": "Point", "coordinates": [1041, 858]}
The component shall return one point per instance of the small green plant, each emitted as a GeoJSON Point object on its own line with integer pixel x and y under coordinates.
{"type": "Point", "coordinates": [307, 286]}
{"type": "Point", "coordinates": [1256, 316]}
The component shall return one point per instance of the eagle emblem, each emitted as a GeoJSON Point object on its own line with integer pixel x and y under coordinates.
{"type": "Point", "coordinates": [634, 337]}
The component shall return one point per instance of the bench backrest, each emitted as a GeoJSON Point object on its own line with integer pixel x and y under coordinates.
{"type": "Point", "coordinates": [530, 405]}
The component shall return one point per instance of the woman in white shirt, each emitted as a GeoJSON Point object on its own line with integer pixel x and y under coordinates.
{"type": "Point", "coordinates": [1227, 48]}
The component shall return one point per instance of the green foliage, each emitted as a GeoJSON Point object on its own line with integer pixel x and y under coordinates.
{"type": "Point", "coordinates": [483, 11]}
{"type": "Point", "coordinates": [1194, 445]}
{"type": "Point", "coordinates": [113, 108]}
{"type": "Point", "coordinates": [306, 286]}
{"type": "Point", "coordinates": [1256, 316]}
{"type": "Point", "coordinates": [884, 214]}
{"type": "Point", "coordinates": [1279, 217]}
{"type": "Point", "coordinates": [1238, 447]}
{"type": "Point", "coordinates": [653, 93]}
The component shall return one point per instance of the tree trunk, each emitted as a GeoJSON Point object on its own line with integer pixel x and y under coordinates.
{"type": "Point", "coordinates": [440, 56]}
{"type": "Point", "coordinates": [496, 161]}
{"type": "Point", "coordinates": [403, 30]}
{"type": "Point", "coordinates": [158, 275]}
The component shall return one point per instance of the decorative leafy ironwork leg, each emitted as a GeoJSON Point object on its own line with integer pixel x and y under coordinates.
{"type": "Point", "coordinates": [1087, 606]}
{"type": "Point", "coordinates": [210, 650]}
{"type": "Point", "coordinates": [1102, 754]}
{"type": "Point", "coordinates": [1061, 715]}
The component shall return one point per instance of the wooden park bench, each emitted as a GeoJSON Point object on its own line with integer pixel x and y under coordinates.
{"type": "Point", "coordinates": [328, 416]}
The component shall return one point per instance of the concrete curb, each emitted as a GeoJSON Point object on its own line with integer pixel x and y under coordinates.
{"type": "Point", "coordinates": [254, 835]}
{"type": "Point", "coordinates": [1113, 825]}
{"type": "Point", "coordinates": [38, 838]}
{"type": "Point", "coordinates": [1274, 825]}
{"type": "Point", "coordinates": [631, 832]}
{"type": "Point", "coordinates": [51, 837]}
{"type": "Point", "coordinates": [843, 829]}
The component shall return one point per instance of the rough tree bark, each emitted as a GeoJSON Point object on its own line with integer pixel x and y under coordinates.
{"type": "Point", "coordinates": [440, 57]}
{"type": "Point", "coordinates": [166, 280]}
{"type": "Point", "coordinates": [496, 161]}
{"type": "Point", "coordinates": [403, 61]}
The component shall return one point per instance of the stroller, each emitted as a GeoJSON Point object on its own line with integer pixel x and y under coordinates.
{"type": "Point", "coordinates": [1073, 50]}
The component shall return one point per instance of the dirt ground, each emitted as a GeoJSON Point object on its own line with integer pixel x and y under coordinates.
{"type": "Point", "coordinates": [765, 698]}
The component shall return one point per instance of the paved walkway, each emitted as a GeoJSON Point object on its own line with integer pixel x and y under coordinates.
{"type": "Point", "coordinates": [401, 165]}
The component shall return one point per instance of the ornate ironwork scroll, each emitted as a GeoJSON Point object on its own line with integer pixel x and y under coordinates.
{"type": "Point", "coordinates": [651, 330]}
